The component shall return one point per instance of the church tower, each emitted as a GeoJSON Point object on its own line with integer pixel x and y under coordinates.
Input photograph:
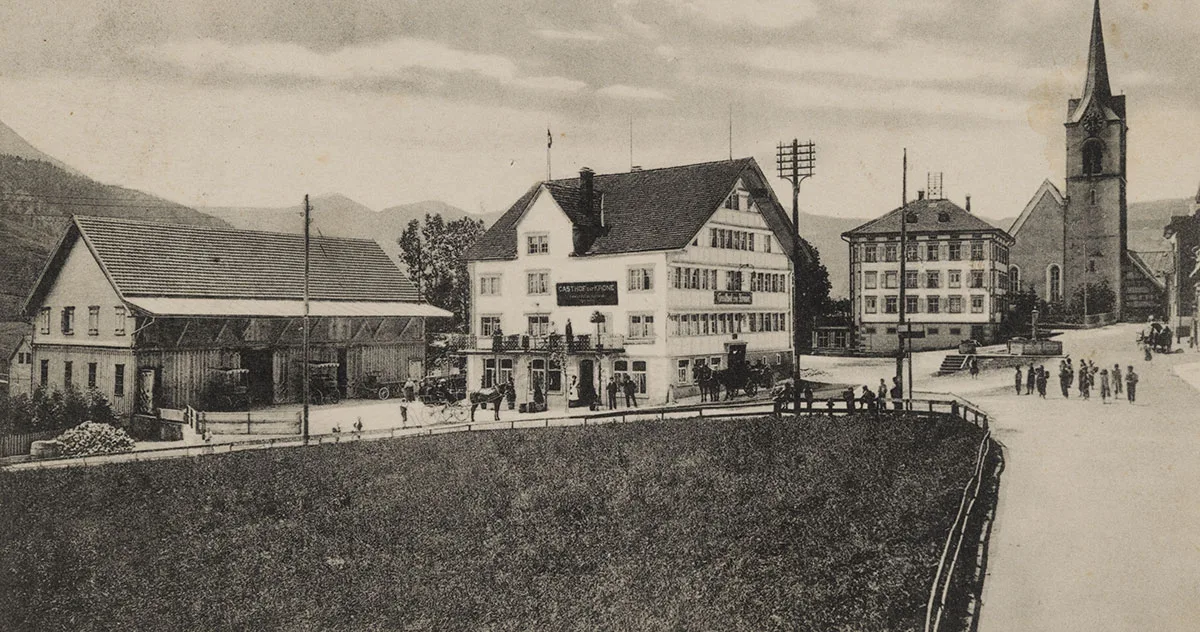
{"type": "Point", "coordinates": [1094, 231]}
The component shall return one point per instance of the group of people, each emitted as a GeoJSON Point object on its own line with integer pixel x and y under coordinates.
{"type": "Point", "coordinates": [585, 395]}
{"type": "Point", "coordinates": [1088, 377]}
{"type": "Point", "coordinates": [876, 401]}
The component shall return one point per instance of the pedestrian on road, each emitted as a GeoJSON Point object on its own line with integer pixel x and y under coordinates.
{"type": "Point", "coordinates": [404, 413]}
{"type": "Point", "coordinates": [1146, 349]}
{"type": "Point", "coordinates": [973, 367]}
{"type": "Point", "coordinates": [808, 396]}
{"type": "Point", "coordinates": [1041, 381]}
{"type": "Point", "coordinates": [868, 400]}
{"type": "Point", "coordinates": [1131, 381]}
{"type": "Point", "coordinates": [611, 390]}
{"type": "Point", "coordinates": [410, 390]}
{"type": "Point", "coordinates": [1084, 375]}
{"type": "Point", "coordinates": [499, 398]}
{"type": "Point", "coordinates": [882, 394]}
{"type": "Point", "coordinates": [848, 397]}
{"type": "Point", "coordinates": [630, 392]}
{"type": "Point", "coordinates": [1019, 380]}
{"type": "Point", "coordinates": [1064, 379]}
{"type": "Point", "coordinates": [1030, 380]}
{"type": "Point", "coordinates": [1118, 384]}
{"type": "Point", "coordinates": [1104, 390]}
{"type": "Point", "coordinates": [897, 394]}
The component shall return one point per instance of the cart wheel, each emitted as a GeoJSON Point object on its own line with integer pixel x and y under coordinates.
{"type": "Point", "coordinates": [334, 396]}
{"type": "Point", "coordinates": [384, 392]}
{"type": "Point", "coordinates": [317, 397]}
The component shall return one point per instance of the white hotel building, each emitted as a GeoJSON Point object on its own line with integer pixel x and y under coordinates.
{"type": "Point", "coordinates": [956, 277]}
{"type": "Point", "coordinates": [655, 272]}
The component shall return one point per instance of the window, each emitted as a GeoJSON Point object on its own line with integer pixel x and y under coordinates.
{"type": "Point", "coordinates": [68, 320]}
{"type": "Point", "coordinates": [537, 283]}
{"type": "Point", "coordinates": [1093, 157]}
{"type": "Point", "coordinates": [539, 324]}
{"type": "Point", "coordinates": [641, 279]}
{"type": "Point", "coordinates": [1054, 282]}
{"type": "Point", "coordinates": [537, 372]}
{"type": "Point", "coordinates": [870, 253]}
{"type": "Point", "coordinates": [44, 320]}
{"type": "Point", "coordinates": [489, 325]}
{"type": "Point", "coordinates": [933, 279]}
{"type": "Point", "coordinates": [506, 370]}
{"type": "Point", "coordinates": [1092, 197]}
{"type": "Point", "coordinates": [977, 304]}
{"type": "Point", "coordinates": [767, 241]}
{"type": "Point", "coordinates": [1091, 265]}
{"type": "Point", "coordinates": [733, 202]}
{"type": "Point", "coordinates": [891, 280]}
{"type": "Point", "coordinates": [943, 217]}
{"type": "Point", "coordinates": [45, 373]}
{"type": "Point", "coordinates": [489, 372]}
{"type": "Point", "coordinates": [683, 374]}
{"type": "Point", "coordinates": [910, 218]}
{"type": "Point", "coordinates": [976, 279]}
{"type": "Point", "coordinates": [955, 251]}
{"type": "Point", "coordinates": [912, 251]}
{"type": "Point", "coordinates": [954, 304]}
{"type": "Point", "coordinates": [68, 373]}
{"type": "Point", "coordinates": [932, 331]}
{"type": "Point", "coordinates": [891, 305]}
{"type": "Point", "coordinates": [733, 280]}
{"type": "Point", "coordinates": [912, 304]}
{"type": "Point", "coordinates": [890, 253]}
{"type": "Point", "coordinates": [639, 376]}
{"type": "Point", "coordinates": [538, 244]}
{"type": "Point", "coordinates": [870, 280]}
{"type": "Point", "coordinates": [956, 331]}
{"type": "Point", "coordinates": [977, 251]}
{"type": "Point", "coordinates": [489, 285]}
{"type": "Point", "coordinates": [1014, 278]}
{"type": "Point", "coordinates": [554, 377]}
{"type": "Point", "coordinates": [910, 279]}
{"type": "Point", "coordinates": [24, 358]}
{"type": "Point", "coordinates": [641, 326]}
{"type": "Point", "coordinates": [119, 326]}
{"type": "Point", "coordinates": [933, 305]}
{"type": "Point", "coordinates": [94, 320]}
{"type": "Point", "coordinates": [931, 251]}
{"type": "Point", "coordinates": [954, 278]}
{"type": "Point", "coordinates": [91, 375]}
{"type": "Point", "coordinates": [870, 304]}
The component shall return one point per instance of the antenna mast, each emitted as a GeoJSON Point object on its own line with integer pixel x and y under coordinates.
{"type": "Point", "coordinates": [304, 414]}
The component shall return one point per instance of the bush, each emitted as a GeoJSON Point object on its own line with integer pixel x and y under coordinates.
{"type": "Point", "coordinates": [91, 438]}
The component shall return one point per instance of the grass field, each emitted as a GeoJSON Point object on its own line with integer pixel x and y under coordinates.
{"type": "Point", "coordinates": [825, 524]}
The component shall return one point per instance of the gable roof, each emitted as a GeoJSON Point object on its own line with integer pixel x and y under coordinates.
{"type": "Point", "coordinates": [150, 259]}
{"type": "Point", "coordinates": [927, 221]}
{"type": "Point", "coordinates": [647, 210]}
{"type": "Point", "coordinates": [1154, 265]}
{"type": "Point", "coordinates": [1047, 188]}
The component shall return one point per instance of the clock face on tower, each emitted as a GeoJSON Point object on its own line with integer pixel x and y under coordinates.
{"type": "Point", "coordinates": [1093, 121]}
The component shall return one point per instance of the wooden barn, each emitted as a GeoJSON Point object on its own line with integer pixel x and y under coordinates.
{"type": "Point", "coordinates": [161, 315]}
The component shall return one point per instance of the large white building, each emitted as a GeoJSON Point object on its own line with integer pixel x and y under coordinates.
{"type": "Point", "coordinates": [653, 271]}
{"type": "Point", "coordinates": [956, 277]}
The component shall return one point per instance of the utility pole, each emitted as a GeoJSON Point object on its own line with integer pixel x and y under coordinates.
{"type": "Point", "coordinates": [902, 340]}
{"type": "Point", "coordinates": [307, 368]}
{"type": "Point", "coordinates": [795, 162]}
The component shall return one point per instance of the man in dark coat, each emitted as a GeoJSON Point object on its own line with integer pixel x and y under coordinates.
{"type": "Point", "coordinates": [897, 394]}
{"type": "Point", "coordinates": [570, 337]}
{"type": "Point", "coordinates": [1131, 382]}
{"type": "Point", "coordinates": [611, 390]}
{"type": "Point", "coordinates": [848, 396]}
{"type": "Point", "coordinates": [1018, 380]}
{"type": "Point", "coordinates": [630, 392]}
{"type": "Point", "coordinates": [1041, 381]}
{"type": "Point", "coordinates": [1030, 380]}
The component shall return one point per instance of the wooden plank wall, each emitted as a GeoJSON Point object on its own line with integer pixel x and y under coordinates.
{"type": "Point", "coordinates": [185, 373]}
{"type": "Point", "coordinates": [389, 361]}
{"type": "Point", "coordinates": [106, 360]}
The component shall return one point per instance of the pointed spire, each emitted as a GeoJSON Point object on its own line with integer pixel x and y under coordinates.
{"type": "Point", "coordinates": [1097, 73]}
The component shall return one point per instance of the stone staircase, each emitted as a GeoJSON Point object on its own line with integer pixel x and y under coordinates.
{"type": "Point", "coordinates": [952, 363]}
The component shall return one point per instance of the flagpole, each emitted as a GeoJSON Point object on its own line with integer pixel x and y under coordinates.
{"type": "Point", "coordinates": [549, 143]}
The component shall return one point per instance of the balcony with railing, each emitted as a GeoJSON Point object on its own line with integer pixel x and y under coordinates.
{"type": "Point", "coordinates": [525, 343]}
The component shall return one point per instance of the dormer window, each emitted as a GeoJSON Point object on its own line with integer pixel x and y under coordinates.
{"type": "Point", "coordinates": [734, 201]}
{"type": "Point", "coordinates": [910, 218]}
{"type": "Point", "coordinates": [943, 217]}
{"type": "Point", "coordinates": [538, 244]}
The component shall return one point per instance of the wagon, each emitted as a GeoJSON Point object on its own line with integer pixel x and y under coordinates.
{"type": "Point", "coordinates": [227, 390]}
{"type": "Point", "coordinates": [323, 383]}
{"type": "Point", "coordinates": [372, 385]}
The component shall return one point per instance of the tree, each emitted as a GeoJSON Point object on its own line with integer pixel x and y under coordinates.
{"type": "Point", "coordinates": [814, 291]}
{"type": "Point", "coordinates": [1092, 298]}
{"type": "Point", "coordinates": [433, 253]}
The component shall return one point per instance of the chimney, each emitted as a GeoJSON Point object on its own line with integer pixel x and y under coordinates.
{"type": "Point", "coordinates": [968, 203]}
{"type": "Point", "coordinates": [584, 233]}
{"type": "Point", "coordinates": [920, 195]}
{"type": "Point", "coordinates": [586, 192]}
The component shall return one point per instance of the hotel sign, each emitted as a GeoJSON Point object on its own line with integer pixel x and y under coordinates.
{"type": "Point", "coordinates": [586, 293]}
{"type": "Point", "coordinates": [723, 297]}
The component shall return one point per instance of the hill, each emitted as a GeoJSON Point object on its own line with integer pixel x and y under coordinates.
{"type": "Point", "coordinates": [11, 144]}
{"type": "Point", "coordinates": [824, 232]}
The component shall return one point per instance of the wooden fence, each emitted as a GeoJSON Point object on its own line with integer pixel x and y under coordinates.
{"type": "Point", "coordinates": [234, 423]}
{"type": "Point", "coordinates": [18, 444]}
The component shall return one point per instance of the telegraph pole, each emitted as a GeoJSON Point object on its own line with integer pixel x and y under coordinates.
{"type": "Point", "coordinates": [901, 339]}
{"type": "Point", "coordinates": [795, 162]}
{"type": "Point", "coordinates": [307, 368]}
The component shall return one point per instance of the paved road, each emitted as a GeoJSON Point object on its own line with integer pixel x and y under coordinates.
{"type": "Point", "coordinates": [1098, 524]}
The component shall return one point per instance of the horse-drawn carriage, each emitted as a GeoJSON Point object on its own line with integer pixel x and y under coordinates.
{"type": "Point", "coordinates": [1159, 338]}
{"type": "Point", "coordinates": [739, 377]}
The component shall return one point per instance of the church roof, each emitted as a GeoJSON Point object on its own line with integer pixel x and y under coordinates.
{"type": "Point", "coordinates": [1096, 87]}
{"type": "Point", "coordinates": [1047, 188]}
{"type": "Point", "coordinates": [927, 216]}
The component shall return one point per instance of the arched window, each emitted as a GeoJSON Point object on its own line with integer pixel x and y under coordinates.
{"type": "Point", "coordinates": [1093, 157]}
{"type": "Point", "coordinates": [1014, 278]}
{"type": "Point", "coordinates": [1054, 282]}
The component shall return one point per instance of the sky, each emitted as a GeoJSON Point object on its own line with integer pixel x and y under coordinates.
{"type": "Point", "coordinates": [238, 103]}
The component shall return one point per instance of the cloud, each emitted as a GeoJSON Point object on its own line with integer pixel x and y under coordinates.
{"type": "Point", "coordinates": [901, 99]}
{"type": "Point", "coordinates": [621, 91]}
{"type": "Point", "coordinates": [393, 59]}
{"type": "Point", "coordinates": [763, 14]}
{"type": "Point", "coordinates": [574, 36]}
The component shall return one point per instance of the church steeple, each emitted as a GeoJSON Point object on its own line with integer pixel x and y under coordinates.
{"type": "Point", "coordinates": [1097, 85]}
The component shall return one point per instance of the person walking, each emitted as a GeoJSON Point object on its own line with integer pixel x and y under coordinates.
{"type": "Point", "coordinates": [848, 396]}
{"type": "Point", "coordinates": [1030, 380]}
{"type": "Point", "coordinates": [611, 390]}
{"type": "Point", "coordinates": [1018, 380]}
{"type": "Point", "coordinates": [897, 394]}
{"type": "Point", "coordinates": [1042, 378]}
{"type": "Point", "coordinates": [1064, 379]}
{"type": "Point", "coordinates": [1084, 374]}
{"type": "Point", "coordinates": [1118, 384]}
{"type": "Point", "coordinates": [1131, 382]}
{"type": "Point", "coordinates": [1104, 390]}
{"type": "Point", "coordinates": [973, 367]}
{"type": "Point", "coordinates": [808, 396]}
{"type": "Point", "coordinates": [868, 400]}
{"type": "Point", "coordinates": [630, 392]}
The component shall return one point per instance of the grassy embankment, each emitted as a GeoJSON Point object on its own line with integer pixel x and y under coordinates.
{"type": "Point", "coordinates": [824, 524]}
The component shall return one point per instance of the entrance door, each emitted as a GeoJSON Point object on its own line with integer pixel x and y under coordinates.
{"type": "Point", "coordinates": [587, 389]}
{"type": "Point", "coordinates": [737, 355]}
{"type": "Point", "coordinates": [260, 380]}
{"type": "Point", "coordinates": [343, 377]}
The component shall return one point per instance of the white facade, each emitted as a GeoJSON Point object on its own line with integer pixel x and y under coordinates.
{"type": "Point", "coordinates": [666, 317]}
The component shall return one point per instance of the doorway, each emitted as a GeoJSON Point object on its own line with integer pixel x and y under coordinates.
{"type": "Point", "coordinates": [587, 388]}
{"type": "Point", "coordinates": [260, 379]}
{"type": "Point", "coordinates": [343, 376]}
{"type": "Point", "coordinates": [737, 354]}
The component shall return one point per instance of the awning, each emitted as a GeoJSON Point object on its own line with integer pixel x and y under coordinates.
{"type": "Point", "coordinates": [221, 308]}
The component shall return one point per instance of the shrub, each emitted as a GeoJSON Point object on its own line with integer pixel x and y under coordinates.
{"type": "Point", "coordinates": [99, 409]}
{"type": "Point", "coordinates": [91, 438]}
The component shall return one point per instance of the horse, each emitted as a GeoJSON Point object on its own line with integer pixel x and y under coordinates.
{"type": "Point", "coordinates": [710, 388]}
{"type": "Point", "coordinates": [741, 377]}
